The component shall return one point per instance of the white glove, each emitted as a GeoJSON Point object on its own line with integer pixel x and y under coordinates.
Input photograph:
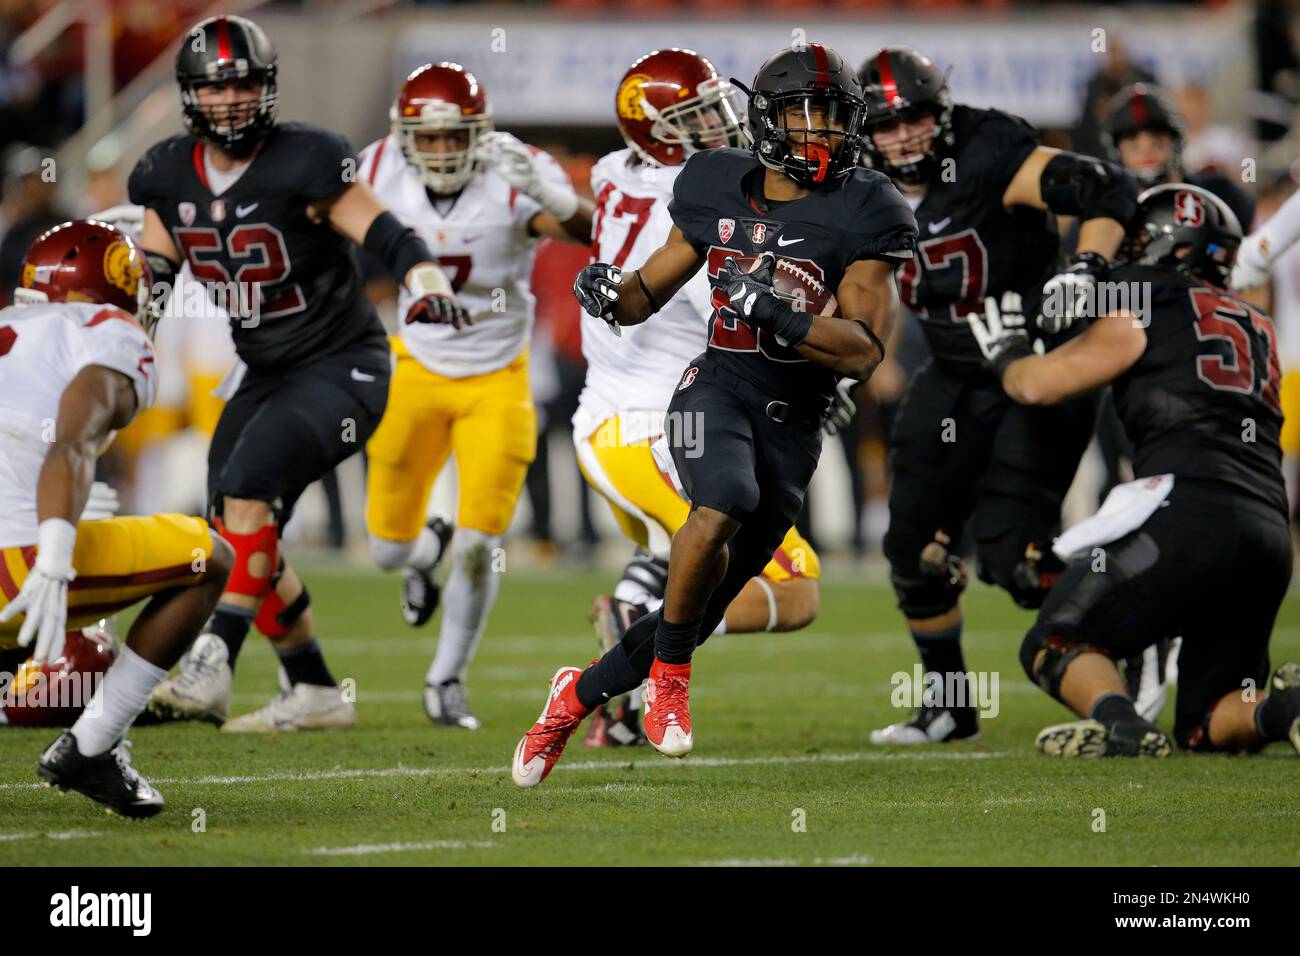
{"type": "Point", "coordinates": [101, 504]}
{"type": "Point", "coordinates": [843, 408]}
{"type": "Point", "coordinates": [44, 595]}
{"type": "Point", "coordinates": [1072, 294]}
{"type": "Point", "coordinates": [1251, 269]}
{"type": "Point", "coordinates": [514, 162]}
{"type": "Point", "coordinates": [1000, 332]}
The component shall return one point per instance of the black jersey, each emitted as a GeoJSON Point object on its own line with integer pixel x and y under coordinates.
{"type": "Point", "coordinates": [1202, 401]}
{"type": "Point", "coordinates": [718, 205]}
{"type": "Point", "coordinates": [290, 284]}
{"type": "Point", "coordinates": [969, 245]}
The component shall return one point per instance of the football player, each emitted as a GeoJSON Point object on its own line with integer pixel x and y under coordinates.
{"type": "Point", "coordinates": [481, 200]}
{"type": "Point", "coordinates": [1200, 544]}
{"type": "Point", "coordinates": [670, 104]}
{"type": "Point", "coordinates": [744, 424]}
{"type": "Point", "coordinates": [76, 365]}
{"type": "Point", "coordinates": [1144, 131]}
{"type": "Point", "coordinates": [265, 214]}
{"type": "Point", "coordinates": [964, 457]}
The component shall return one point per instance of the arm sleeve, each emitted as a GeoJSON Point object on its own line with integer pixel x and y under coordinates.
{"type": "Point", "coordinates": [884, 227]}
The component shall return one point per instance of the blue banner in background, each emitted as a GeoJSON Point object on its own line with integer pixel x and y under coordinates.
{"type": "Point", "coordinates": [565, 71]}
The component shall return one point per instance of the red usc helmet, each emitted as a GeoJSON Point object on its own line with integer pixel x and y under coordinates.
{"type": "Point", "coordinates": [436, 98]}
{"type": "Point", "coordinates": [672, 103]}
{"type": "Point", "coordinates": [53, 695]}
{"type": "Point", "coordinates": [86, 261]}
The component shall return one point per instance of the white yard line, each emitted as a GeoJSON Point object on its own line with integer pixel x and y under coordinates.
{"type": "Point", "coordinates": [64, 835]}
{"type": "Point", "coordinates": [861, 859]}
{"type": "Point", "coordinates": [365, 849]}
{"type": "Point", "coordinates": [651, 764]}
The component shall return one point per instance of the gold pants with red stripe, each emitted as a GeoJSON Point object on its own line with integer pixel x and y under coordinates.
{"type": "Point", "coordinates": [649, 510]}
{"type": "Point", "coordinates": [118, 561]}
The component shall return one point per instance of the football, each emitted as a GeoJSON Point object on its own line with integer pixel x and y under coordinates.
{"type": "Point", "coordinates": [794, 280]}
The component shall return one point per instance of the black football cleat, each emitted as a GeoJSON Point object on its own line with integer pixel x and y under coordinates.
{"type": "Point", "coordinates": [420, 592]}
{"type": "Point", "coordinates": [107, 778]}
{"type": "Point", "coordinates": [931, 725]}
{"type": "Point", "coordinates": [1286, 682]}
{"type": "Point", "coordinates": [616, 723]}
{"type": "Point", "coordinates": [1089, 738]}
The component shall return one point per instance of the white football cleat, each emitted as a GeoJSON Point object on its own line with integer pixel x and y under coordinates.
{"type": "Point", "coordinates": [200, 690]}
{"type": "Point", "coordinates": [448, 704]}
{"type": "Point", "coordinates": [302, 707]}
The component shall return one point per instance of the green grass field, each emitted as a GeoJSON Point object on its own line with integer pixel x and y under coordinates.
{"type": "Point", "coordinates": [781, 727]}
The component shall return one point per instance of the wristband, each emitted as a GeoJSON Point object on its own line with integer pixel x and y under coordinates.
{"type": "Point", "coordinates": [55, 541]}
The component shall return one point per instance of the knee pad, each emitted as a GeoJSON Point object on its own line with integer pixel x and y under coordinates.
{"type": "Point", "coordinates": [1059, 652]}
{"type": "Point", "coordinates": [390, 555]}
{"type": "Point", "coordinates": [275, 618]}
{"type": "Point", "coordinates": [264, 541]}
{"type": "Point", "coordinates": [927, 576]}
{"type": "Point", "coordinates": [1026, 572]}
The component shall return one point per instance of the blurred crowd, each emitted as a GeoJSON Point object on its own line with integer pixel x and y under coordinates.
{"type": "Point", "coordinates": [42, 102]}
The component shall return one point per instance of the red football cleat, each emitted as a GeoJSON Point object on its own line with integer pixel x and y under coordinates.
{"type": "Point", "coordinates": [667, 710]}
{"type": "Point", "coordinates": [540, 748]}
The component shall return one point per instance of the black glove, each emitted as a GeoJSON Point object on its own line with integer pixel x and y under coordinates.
{"type": "Point", "coordinates": [752, 298]}
{"type": "Point", "coordinates": [596, 289]}
{"type": "Point", "coordinates": [1072, 294]}
{"type": "Point", "coordinates": [435, 309]}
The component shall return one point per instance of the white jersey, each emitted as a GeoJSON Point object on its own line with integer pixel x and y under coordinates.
{"type": "Point", "coordinates": [42, 348]}
{"type": "Point", "coordinates": [634, 376]}
{"type": "Point", "coordinates": [483, 245]}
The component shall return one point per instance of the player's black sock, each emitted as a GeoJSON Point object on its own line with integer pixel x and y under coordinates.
{"type": "Point", "coordinates": [1115, 709]}
{"type": "Point", "coordinates": [941, 651]}
{"type": "Point", "coordinates": [623, 667]}
{"type": "Point", "coordinates": [231, 624]}
{"type": "Point", "coordinates": [305, 664]}
{"type": "Point", "coordinates": [675, 643]}
{"type": "Point", "coordinates": [1274, 714]}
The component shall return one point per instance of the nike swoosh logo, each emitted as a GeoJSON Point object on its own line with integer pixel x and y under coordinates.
{"type": "Point", "coordinates": [781, 241]}
{"type": "Point", "coordinates": [242, 211]}
{"type": "Point", "coordinates": [472, 238]}
{"type": "Point", "coordinates": [938, 227]}
{"type": "Point", "coordinates": [360, 376]}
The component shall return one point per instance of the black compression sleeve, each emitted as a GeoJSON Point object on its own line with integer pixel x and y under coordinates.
{"type": "Point", "coordinates": [1075, 185]}
{"type": "Point", "coordinates": [162, 272]}
{"type": "Point", "coordinates": [395, 245]}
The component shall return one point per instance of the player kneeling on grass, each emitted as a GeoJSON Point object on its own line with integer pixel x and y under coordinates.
{"type": "Point", "coordinates": [1199, 544]}
{"type": "Point", "coordinates": [76, 365]}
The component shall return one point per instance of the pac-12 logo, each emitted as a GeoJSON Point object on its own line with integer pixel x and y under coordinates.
{"type": "Point", "coordinates": [689, 377]}
{"type": "Point", "coordinates": [725, 228]}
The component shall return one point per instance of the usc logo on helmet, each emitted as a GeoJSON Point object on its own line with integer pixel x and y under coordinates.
{"type": "Point", "coordinates": [631, 95]}
{"type": "Point", "coordinates": [122, 267]}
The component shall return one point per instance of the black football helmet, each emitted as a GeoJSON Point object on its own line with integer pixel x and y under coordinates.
{"type": "Point", "coordinates": [1144, 107]}
{"type": "Point", "coordinates": [220, 50]}
{"type": "Point", "coordinates": [1183, 227]}
{"type": "Point", "coordinates": [815, 81]}
{"type": "Point", "coordinates": [900, 84]}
